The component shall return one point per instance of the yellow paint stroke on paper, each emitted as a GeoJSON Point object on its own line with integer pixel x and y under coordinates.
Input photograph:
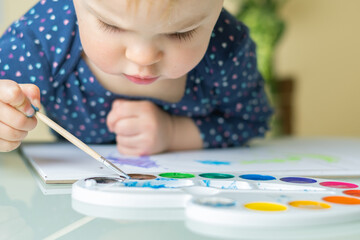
{"type": "Point", "coordinates": [292, 158]}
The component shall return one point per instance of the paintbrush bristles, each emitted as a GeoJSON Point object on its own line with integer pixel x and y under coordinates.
{"type": "Point", "coordinates": [71, 138]}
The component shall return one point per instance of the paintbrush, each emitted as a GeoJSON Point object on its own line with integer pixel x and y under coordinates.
{"type": "Point", "coordinates": [77, 142]}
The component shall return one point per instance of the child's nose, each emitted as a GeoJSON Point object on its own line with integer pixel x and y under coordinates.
{"type": "Point", "coordinates": [143, 54]}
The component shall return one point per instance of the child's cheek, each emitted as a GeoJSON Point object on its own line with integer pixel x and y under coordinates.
{"type": "Point", "coordinates": [186, 60]}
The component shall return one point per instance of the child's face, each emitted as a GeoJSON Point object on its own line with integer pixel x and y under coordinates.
{"type": "Point", "coordinates": [151, 40]}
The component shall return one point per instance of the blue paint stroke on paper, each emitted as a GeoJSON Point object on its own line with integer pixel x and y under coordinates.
{"type": "Point", "coordinates": [213, 162]}
{"type": "Point", "coordinates": [142, 162]}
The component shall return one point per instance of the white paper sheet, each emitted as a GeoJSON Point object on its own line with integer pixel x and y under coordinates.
{"type": "Point", "coordinates": [65, 163]}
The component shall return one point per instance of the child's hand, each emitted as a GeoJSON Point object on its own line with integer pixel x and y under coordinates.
{"type": "Point", "coordinates": [141, 127]}
{"type": "Point", "coordinates": [16, 112]}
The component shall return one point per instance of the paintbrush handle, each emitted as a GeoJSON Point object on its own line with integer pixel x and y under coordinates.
{"type": "Point", "coordinates": [77, 142]}
{"type": "Point", "coordinates": [71, 138]}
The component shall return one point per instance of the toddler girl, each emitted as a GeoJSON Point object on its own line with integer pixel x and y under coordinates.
{"type": "Point", "coordinates": [152, 76]}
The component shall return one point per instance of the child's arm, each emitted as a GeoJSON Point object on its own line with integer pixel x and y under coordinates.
{"type": "Point", "coordinates": [186, 135]}
{"type": "Point", "coordinates": [23, 64]}
{"type": "Point", "coordinates": [33, 55]}
{"type": "Point", "coordinates": [142, 128]}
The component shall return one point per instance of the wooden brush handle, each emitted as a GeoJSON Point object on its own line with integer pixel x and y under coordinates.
{"type": "Point", "coordinates": [71, 138]}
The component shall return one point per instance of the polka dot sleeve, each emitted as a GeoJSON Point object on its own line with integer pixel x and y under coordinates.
{"type": "Point", "coordinates": [21, 59]}
{"type": "Point", "coordinates": [38, 47]}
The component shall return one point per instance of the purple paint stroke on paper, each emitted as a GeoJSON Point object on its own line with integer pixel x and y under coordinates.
{"type": "Point", "coordinates": [142, 162]}
{"type": "Point", "coordinates": [213, 162]}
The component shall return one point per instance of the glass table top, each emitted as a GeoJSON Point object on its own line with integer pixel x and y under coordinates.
{"type": "Point", "coordinates": [30, 209]}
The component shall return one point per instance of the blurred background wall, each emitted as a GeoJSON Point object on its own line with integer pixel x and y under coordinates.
{"type": "Point", "coordinates": [319, 50]}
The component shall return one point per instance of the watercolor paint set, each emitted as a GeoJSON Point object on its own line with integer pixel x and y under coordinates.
{"type": "Point", "coordinates": [227, 199]}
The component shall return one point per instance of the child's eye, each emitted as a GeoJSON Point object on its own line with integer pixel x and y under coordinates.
{"type": "Point", "coordinates": [108, 28]}
{"type": "Point", "coordinates": [183, 35]}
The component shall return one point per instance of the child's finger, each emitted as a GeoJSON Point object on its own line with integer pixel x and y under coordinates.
{"type": "Point", "coordinates": [126, 108]}
{"type": "Point", "coordinates": [130, 141]}
{"type": "Point", "coordinates": [129, 151]}
{"type": "Point", "coordinates": [32, 92]}
{"type": "Point", "coordinates": [16, 119]}
{"type": "Point", "coordinates": [7, 146]}
{"type": "Point", "coordinates": [117, 103]}
{"type": "Point", "coordinates": [120, 110]}
{"type": "Point", "coordinates": [127, 127]}
{"type": "Point", "coordinates": [11, 134]}
{"type": "Point", "coordinates": [12, 94]}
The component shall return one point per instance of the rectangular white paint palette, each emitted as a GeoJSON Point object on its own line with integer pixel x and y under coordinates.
{"type": "Point", "coordinates": [222, 199]}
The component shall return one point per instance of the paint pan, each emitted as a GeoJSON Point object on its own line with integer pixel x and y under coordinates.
{"type": "Point", "coordinates": [102, 181]}
{"type": "Point", "coordinates": [298, 180]}
{"type": "Point", "coordinates": [265, 206]}
{"type": "Point", "coordinates": [176, 175]}
{"type": "Point", "coordinates": [333, 184]}
{"type": "Point", "coordinates": [139, 176]}
{"type": "Point", "coordinates": [217, 202]}
{"type": "Point", "coordinates": [257, 177]}
{"type": "Point", "coordinates": [309, 205]}
{"type": "Point", "coordinates": [216, 175]}
{"type": "Point", "coordinates": [354, 193]}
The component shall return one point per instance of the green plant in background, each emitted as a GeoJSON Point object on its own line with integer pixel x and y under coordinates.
{"type": "Point", "coordinates": [266, 28]}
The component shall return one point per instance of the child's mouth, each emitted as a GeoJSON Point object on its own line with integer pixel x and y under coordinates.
{"type": "Point", "coordinates": [141, 80]}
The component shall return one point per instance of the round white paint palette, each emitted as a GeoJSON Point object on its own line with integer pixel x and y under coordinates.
{"type": "Point", "coordinates": [230, 200]}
